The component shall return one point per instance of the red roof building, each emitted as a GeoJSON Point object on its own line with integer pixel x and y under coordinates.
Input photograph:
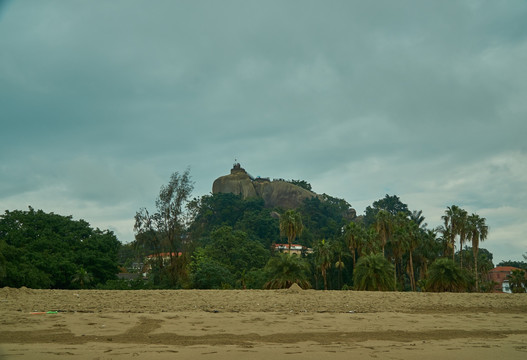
{"type": "Point", "coordinates": [499, 276]}
{"type": "Point", "coordinates": [295, 248]}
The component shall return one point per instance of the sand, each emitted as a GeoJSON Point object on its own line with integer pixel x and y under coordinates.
{"type": "Point", "coordinates": [250, 324]}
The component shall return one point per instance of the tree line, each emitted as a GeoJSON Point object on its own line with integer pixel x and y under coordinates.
{"type": "Point", "coordinates": [51, 251]}
{"type": "Point", "coordinates": [222, 241]}
{"type": "Point", "coordinates": [225, 241]}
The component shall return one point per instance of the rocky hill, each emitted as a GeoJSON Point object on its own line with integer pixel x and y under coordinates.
{"type": "Point", "coordinates": [276, 193]}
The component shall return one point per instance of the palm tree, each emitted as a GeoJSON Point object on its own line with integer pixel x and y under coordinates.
{"type": "Point", "coordinates": [517, 281]}
{"type": "Point", "coordinates": [371, 244]}
{"type": "Point", "coordinates": [477, 230]}
{"type": "Point", "coordinates": [418, 218]}
{"type": "Point", "coordinates": [445, 275]}
{"type": "Point", "coordinates": [454, 219]}
{"type": "Point", "coordinates": [383, 225]}
{"type": "Point", "coordinates": [354, 236]}
{"type": "Point", "coordinates": [462, 227]}
{"type": "Point", "coordinates": [82, 277]}
{"type": "Point", "coordinates": [449, 231]}
{"type": "Point", "coordinates": [400, 241]}
{"type": "Point", "coordinates": [414, 238]}
{"type": "Point", "coordinates": [445, 236]}
{"type": "Point", "coordinates": [427, 251]}
{"type": "Point", "coordinates": [285, 270]}
{"type": "Point", "coordinates": [373, 272]}
{"type": "Point", "coordinates": [291, 226]}
{"type": "Point", "coordinates": [339, 264]}
{"type": "Point", "coordinates": [323, 257]}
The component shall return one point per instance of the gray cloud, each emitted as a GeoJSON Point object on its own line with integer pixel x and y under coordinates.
{"type": "Point", "coordinates": [101, 101]}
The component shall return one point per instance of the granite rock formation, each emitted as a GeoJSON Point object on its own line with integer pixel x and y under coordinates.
{"type": "Point", "coordinates": [276, 193]}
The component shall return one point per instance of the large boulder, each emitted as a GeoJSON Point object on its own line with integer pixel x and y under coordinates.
{"type": "Point", "coordinates": [237, 182]}
{"type": "Point", "coordinates": [276, 193]}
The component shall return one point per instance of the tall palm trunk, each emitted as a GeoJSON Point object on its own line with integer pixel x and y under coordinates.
{"type": "Point", "coordinates": [453, 242]}
{"type": "Point", "coordinates": [460, 253]}
{"type": "Point", "coordinates": [325, 278]}
{"type": "Point", "coordinates": [412, 277]}
{"type": "Point", "coordinates": [395, 273]}
{"type": "Point", "coordinates": [475, 252]}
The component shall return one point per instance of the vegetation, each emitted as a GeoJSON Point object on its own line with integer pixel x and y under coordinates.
{"type": "Point", "coordinates": [375, 273]}
{"type": "Point", "coordinates": [291, 226]}
{"type": "Point", "coordinates": [46, 250]}
{"type": "Point", "coordinates": [517, 281]}
{"type": "Point", "coordinates": [445, 275]}
{"type": "Point", "coordinates": [302, 183]}
{"type": "Point", "coordinates": [324, 258]}
{"type": "Point", "coordinates": [222, 241]}
{"type": "Point", "coordinates": [163, 231]}
{"type": "Point", "coordinates": [285, 270]}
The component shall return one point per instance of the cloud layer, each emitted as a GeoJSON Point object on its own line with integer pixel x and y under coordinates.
{"type": "Point", "coordinates": [101, 101]}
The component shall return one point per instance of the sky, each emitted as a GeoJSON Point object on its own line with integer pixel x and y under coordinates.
{"type": "Point", "coordinates": [101, 101]}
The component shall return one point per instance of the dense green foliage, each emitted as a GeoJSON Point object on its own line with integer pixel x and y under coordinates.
{"type": "Point", "coordinates": [392, 204]}
{"type": "Point", "coordinates": [374, 272]}
{"type": "Point", "coordinates": [302, 183]}
{"type": "Point", "coordinates": [285, 270]}
{"type": "Point", "coordinates": [163, 231]}
{"type": "Point", "coordinates": [226, 259]}
{"type": "Point", "coordinates": [323, 218]}
{"type": "Point", "coordinates": [445, 275]}
{"type": "Point", "coordinates": [228, 241]}
{"type": "Point", "coordinates": [46, 250]}
{"type": "Point", "coordinates": [291, 226]}
{"type": "Point", "coordinates": [222, 241]}
{"type": "Point", "coordinates": [517, 264]}
{"type": "Point", "coordinates": [224, 209]}
{"type": "Point", "coordinates": [517, 281]}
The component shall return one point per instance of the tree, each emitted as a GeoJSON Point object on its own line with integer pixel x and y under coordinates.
{"type": "Point", "coordinates": [484, 264]}
{"type": "Point", "coordinates": [213, 211]}
{"type": "Point", "coordinates": [285, 270]}
{"type": "Point", "coordinates": [477, 231]}
{"type": "Point", "coordinates": [373, 273]}
{"type": "Point", "coordinates": [427, 251]}
{"type": "Point", "coordinates": [291, 226]}
{"type": "Point", "coordinates": [323, 258]}
{"type": "Point", "coordinates": [324, 217]}
{"type": "Point", "coordinates": [302, 183]}
{"type": "Point", "coordinates": [455, 224]}
{"type": "Point", "coordinates": [354, 235]}
{"type": "Point", "coordinates": [445, 275]}
{"type": "Point", "coordinates": [236, 251]}
{"type": "Point", "coordinates": [417, 217]}
{"type": "Point", "coordinates": [517, 281]}
{"type": "Point", "coordinates": [340, 265]}
{"type": "Point", "coordinates": [45, 250]}
{"type": "Point", "coordinates": [400, 242]}
{"type": "Point", "coordinates": [514, 263]}
{"type": "Point", "coordinates": [391, 204]}
{"type": "Point", "coordinates": [462, 228]}
{"type": "Point", "coordinates": [384, 227]}
{"type": "Point", "coordinates": [82, 277]}
{"type": "Point", "coordinates": [208, 273]}
{"type": "Point", "coordinates": [3, 261]}
{"type": "Point", "coordinates": [164, 230]}
{"type": "Point", "coordinates": [406, 239]}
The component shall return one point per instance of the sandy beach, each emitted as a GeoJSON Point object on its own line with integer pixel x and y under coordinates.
{"type": "Point", "coordinates": [237, 324]}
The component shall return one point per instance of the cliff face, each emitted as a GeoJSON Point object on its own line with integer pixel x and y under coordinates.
{"type": "Point", "coordinates": [275, 193]}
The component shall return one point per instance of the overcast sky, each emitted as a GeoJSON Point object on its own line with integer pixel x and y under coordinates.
{"type": "Point", "coordinates": [100, 101]}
